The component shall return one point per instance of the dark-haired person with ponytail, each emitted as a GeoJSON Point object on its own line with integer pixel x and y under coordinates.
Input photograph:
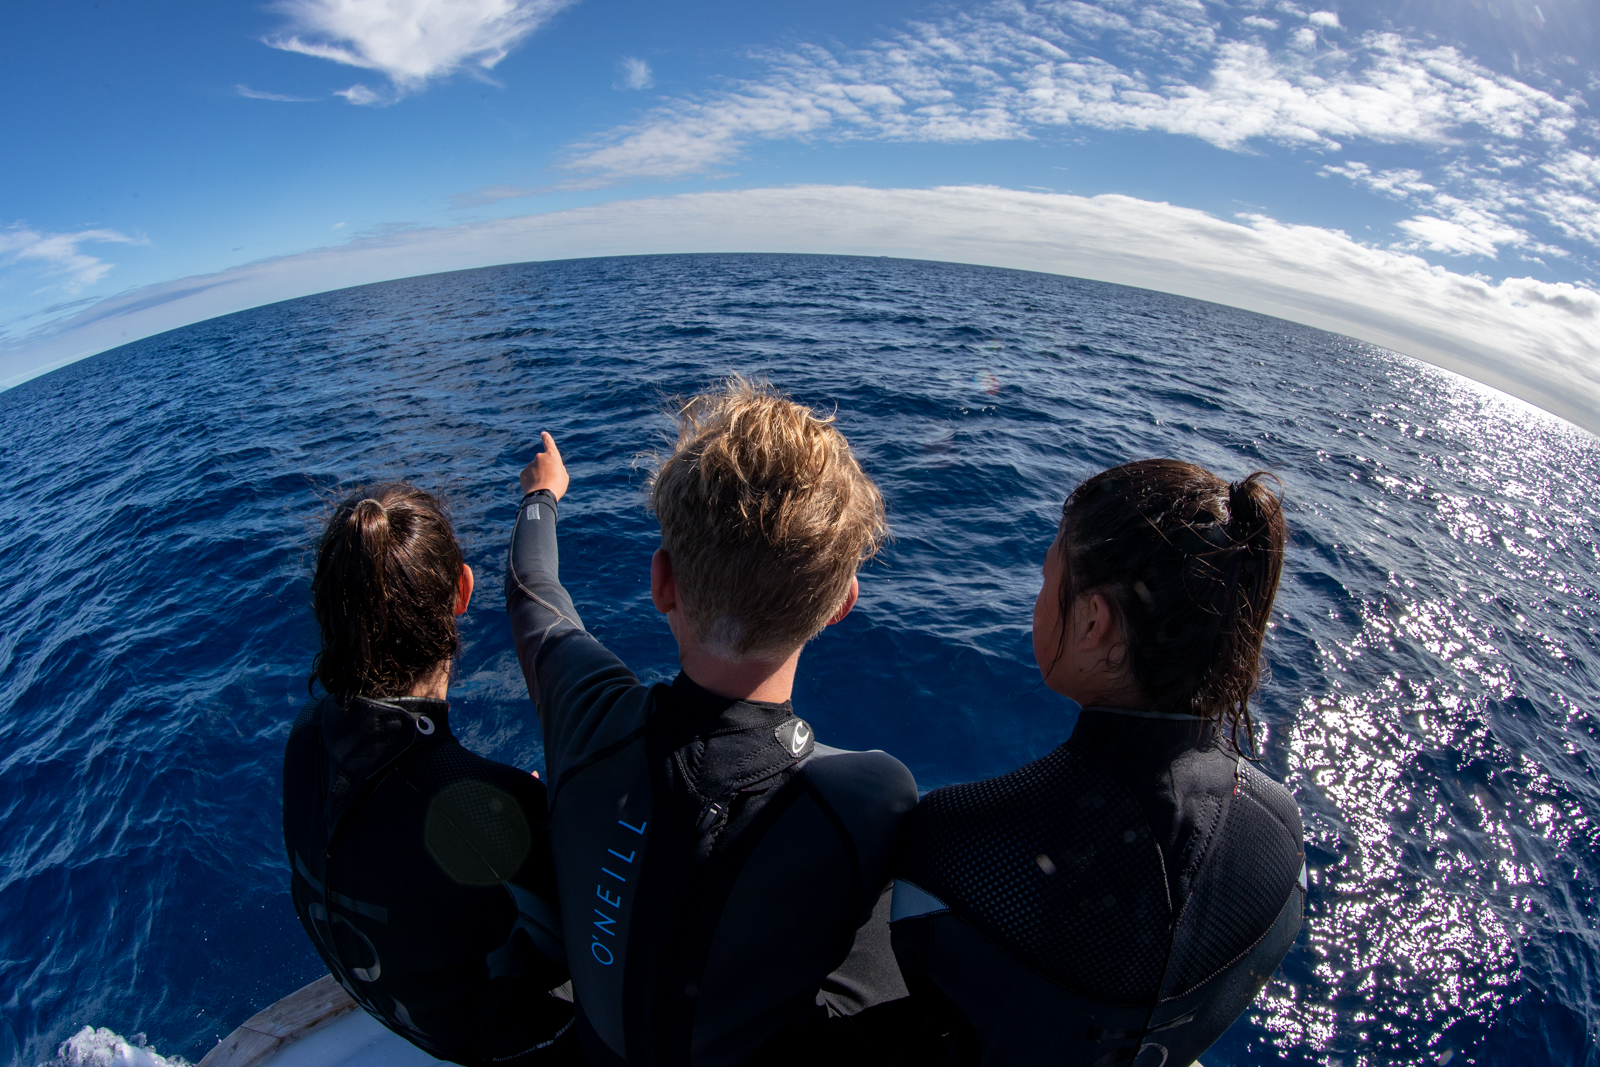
{"type": "Point", "coordinates": [1123, 899]}
{"type": "Point", "coordinates": [420, 870]}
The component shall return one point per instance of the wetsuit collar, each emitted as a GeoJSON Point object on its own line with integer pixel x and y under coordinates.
{"type": "Point", "coordinates": [357, 719]}
{"type": "Point", "coordinates": [1118, 734]}
{"type": "Point", "coordinates": [698, 711]}
{"type": "Point", "coordinates": [723, 744]}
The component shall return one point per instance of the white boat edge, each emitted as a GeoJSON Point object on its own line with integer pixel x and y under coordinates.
{"type": "Point", "coordinates": [323, 1025]}
{"type": "Point", "coordinates": [318, 1025]}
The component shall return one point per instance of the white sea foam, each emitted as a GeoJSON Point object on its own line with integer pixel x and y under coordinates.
{"type": "Point", "coordinates": [105, 1047]}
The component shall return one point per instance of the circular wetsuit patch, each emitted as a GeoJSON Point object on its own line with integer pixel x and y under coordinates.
{"type": "Point", "coordinates": [796, 737]}
{"type": "Point", "coordinates": [476, 833]}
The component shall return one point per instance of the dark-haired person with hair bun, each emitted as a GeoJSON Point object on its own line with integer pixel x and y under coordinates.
{"type": "Point", "coordinates": [1123, 899]}
{"type": "Point", "coordinates": [420, 870]}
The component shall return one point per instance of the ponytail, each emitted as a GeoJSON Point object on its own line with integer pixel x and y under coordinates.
{"type": "Point", "coordinates": [1192, 564]}
{"type": "Point", "coordinates": [1256, 533]}
{"type": "Point", "coordinates": [384, 592]}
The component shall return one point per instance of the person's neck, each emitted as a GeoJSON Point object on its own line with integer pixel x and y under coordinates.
{"type": "Point", "coordinates": [766, 680]}
{"type": "Point", "coordinates": [434, 685]}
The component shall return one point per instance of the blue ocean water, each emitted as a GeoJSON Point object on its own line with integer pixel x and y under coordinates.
{"type": "Point", "coordinates": [1432, 694]}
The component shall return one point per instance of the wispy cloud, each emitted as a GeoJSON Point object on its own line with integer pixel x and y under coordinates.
{"type": "Point", "coordinates": [57, 255]}
{"type": "Point", "coordinates": [1473, 232]}
{"type": "Point", "coordinates": [360, 94]}
{"type": "Point", "coordinates": [493, 194]}
{"type": "Point", "coordinates": [634, 74]}
{"type": "Point", "coordinates": [1298, 80]}
{"type": "Point", "coordinates": [411, 42]}
{"type": "Point", "coordinates": [258, 94]}
{"type": "Point", "coordinates": [1010, 71]}
{"type": "Point", "coordinates": [1537, 340]}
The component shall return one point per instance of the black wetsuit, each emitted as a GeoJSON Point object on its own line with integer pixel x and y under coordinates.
{"type": "Point", "coordinates": [714, 862]}
{"type": "Point", "coordinates": [422, 874]}
{"type": "Point", "coordinates": [1121, 900]}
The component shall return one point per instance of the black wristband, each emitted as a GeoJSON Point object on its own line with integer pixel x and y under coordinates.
{"type": "Point", "coordinates": [548, 496]}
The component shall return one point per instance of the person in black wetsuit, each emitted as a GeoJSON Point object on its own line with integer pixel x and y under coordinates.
{"type": "Point", "coordinates": [1123, 899]}
{"type": "Point", "coordinates": [714, 860]}
{"type": "Point", "coordinates": [420, 871]}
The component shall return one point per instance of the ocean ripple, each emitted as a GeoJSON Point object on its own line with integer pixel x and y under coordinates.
{"type": "Point", "coordinates": [1431, 698]}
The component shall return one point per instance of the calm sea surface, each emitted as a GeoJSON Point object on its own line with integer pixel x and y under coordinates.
{"type": "Point", "coordinates": [1432, 700]}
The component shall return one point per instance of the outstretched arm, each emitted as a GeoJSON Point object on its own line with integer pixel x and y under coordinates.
{"type": "Point", "coordinates": [540, 608]}
{"type": "Point", "coordinates": [578, 686]}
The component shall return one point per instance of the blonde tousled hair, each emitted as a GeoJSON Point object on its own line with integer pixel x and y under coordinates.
{"type": "Point", "coordinates": [766, 515]}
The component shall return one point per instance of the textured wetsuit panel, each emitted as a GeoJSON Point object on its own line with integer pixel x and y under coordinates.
{"type": "Point", "coordinates": [474, 830]}
{"type": "Point", "coordinates": [1054, 861]}
{"type": "Point", "coordinates": [1242, 887]}
{"type": "Point", "coordinates": [1224, 842]}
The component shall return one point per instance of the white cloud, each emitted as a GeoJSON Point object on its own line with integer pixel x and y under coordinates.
{"type": "Point", "coordinates": [1012, 71]}
{"type": "Point", "coordinates": [1460, 238]}
{"type": "Point", "coordinates": [1449, 224]}
{"type": "Point", "coordinates": [635, 74]}
{"type": "Point", "coordinates": [1400, 183]}
{"type": "Point", "coordinates": [682, 140]}
{"type": "Point", "coordinates": [1007, 71]}
{"type": "Point", "coordinates": [1569, 198]}
{"type": "Point", "coordinates": [360, 94]}
{"type": "Point", "coordinates": [1576, 170]}
{"type": "Point", "coordinates": [57, 255]}
{"type": "Point", "coordinates": [257, 94]}
{"type": "Point", "coordinates": [1536, 340]}
{"type": "Point", "coordinates": [410, 41]}
{"type": "Point", "coordinates": [1399, 95]}
{"type": "Point", "coordinates": [493, 194]}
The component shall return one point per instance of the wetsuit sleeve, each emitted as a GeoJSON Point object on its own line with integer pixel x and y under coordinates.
{"type": "Point", "coordinates": [574, 680]}
{"type": "Point", "coordinates": [522, 1020]}
{"type": "Point", "coordinates": [870, 794]}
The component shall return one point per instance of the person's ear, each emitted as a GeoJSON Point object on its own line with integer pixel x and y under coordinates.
{"type": "Point", "coordinates": [850, 599]}
{"type": "Point", "coordinates": [663, 587]}
{"type": "Point", "coordinates": [1096, 623]}
{"type": "Point", "coordinates": [463, 590]}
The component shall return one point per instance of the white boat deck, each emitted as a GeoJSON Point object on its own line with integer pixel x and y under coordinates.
{"type": "Point", "coordinates": [315, 1026]}
{"type": "Point", "coordinates": [354, 1039]}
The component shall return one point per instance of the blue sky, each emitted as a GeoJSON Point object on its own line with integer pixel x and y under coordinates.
{"type": "Point", "coordinates": [1416, 165]}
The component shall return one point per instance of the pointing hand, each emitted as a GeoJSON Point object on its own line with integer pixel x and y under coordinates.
{"type": "Point", "coordinates": [546, 471]}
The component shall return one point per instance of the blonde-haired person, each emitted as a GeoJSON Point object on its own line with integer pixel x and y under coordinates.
{"type": "Point", "coordinates": [713, 861]}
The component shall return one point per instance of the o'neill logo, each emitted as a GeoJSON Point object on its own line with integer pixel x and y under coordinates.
{"type": "Point", "coordinates": [795, 735]}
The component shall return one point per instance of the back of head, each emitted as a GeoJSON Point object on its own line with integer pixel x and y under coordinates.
{"type": "Point", "coordinates": [1192, 564]}
{"type": "Point", "coordinates": [384, 592]}
{"type": "Point", "coordinates": [766, 515]}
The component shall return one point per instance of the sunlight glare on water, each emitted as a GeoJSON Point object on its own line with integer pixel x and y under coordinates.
{"type": "Point", "coordinates": [1431, 853]}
